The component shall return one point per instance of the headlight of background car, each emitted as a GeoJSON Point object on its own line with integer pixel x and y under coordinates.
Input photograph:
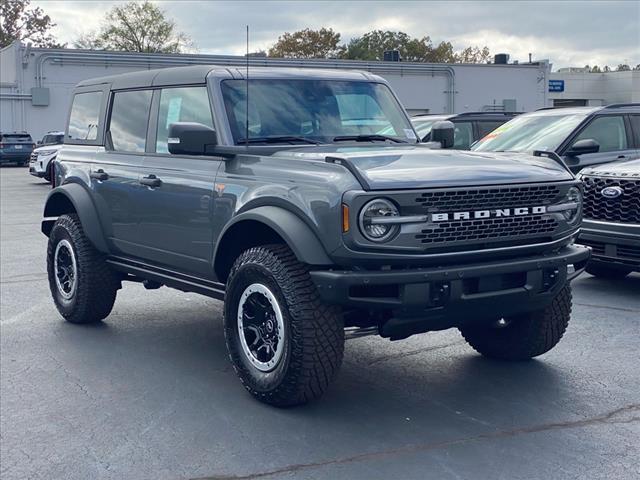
{"type": "Point", "coordinates": [374, 217]}
{"type": "Point", "coordinates": [574, 196]}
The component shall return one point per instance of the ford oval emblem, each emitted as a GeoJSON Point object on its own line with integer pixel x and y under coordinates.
{"type": "Point", "coordinates": [611, 192]}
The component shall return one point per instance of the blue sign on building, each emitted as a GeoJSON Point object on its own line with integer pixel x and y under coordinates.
{"type": "Point", "coordinates": [556, 85]}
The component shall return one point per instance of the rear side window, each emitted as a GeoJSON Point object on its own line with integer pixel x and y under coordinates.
{"type": "Point", "coordinates": [486, 127]}
{"type": "Point", "coordinates": [129, 118]}
{"type": "Point", "coordinates": [608, 131]}
{"type": "Point", "coordinates": [84, 119]}
{"type": "Point", "coordinates": [188, 104]}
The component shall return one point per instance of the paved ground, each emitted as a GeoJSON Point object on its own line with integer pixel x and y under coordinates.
{"type": "Point", "coordinates": [150, 395]}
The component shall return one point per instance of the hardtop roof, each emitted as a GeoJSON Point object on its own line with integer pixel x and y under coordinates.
{"type": "Point", "coordinates": [196, 74]}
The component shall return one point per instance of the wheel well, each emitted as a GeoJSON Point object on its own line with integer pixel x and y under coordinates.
{"type": "Point", "coordinates": [57, 205]}
{"type": "Point", "coordinates": [240, 237]}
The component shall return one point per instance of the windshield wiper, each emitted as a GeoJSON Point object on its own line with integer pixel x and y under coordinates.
{"type": "Point", "coordinates": [277, 139]}
{"type": "Point", "coordinates": [367, 138]}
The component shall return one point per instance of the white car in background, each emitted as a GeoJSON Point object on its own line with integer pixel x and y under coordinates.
{"type": "Point", "coordinates": [40, 163]}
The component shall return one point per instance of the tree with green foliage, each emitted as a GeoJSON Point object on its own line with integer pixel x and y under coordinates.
{"type": "Point", "coordinates": [473, 55]}
{"type": "Point", "coordinates": [372, 45]}
{"type": "Point", "coordinates": [136, 27]}
{"type": "Point", "coordinates": [29, 25]}
{"type": "Point", "coordinates": [308, 43]}
{"type": "Point", "coordinates": [623, 67]}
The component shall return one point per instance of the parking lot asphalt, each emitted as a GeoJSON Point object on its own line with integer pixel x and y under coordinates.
{"type": "Point", "coordinates": [149, 394]}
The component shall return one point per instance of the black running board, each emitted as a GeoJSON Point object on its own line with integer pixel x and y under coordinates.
{"type": "Point", "coordinates": [170, 278]}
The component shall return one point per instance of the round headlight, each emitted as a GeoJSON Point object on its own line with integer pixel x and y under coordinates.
{"type": "Point", "coordinates": [372, 220]}
{"type": "Point", "coordinates": [574, 195]}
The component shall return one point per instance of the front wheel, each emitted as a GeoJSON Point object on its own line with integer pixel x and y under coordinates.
{"type": "Point", "coordinates": [284, 343]}
{"type": "Point", "coordinates": [83, 286]}
{"type": "Point", "coordinates": [525, 336]}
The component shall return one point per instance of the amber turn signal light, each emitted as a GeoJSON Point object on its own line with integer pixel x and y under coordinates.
{"type": "Point", "coordinates": [345, 218]}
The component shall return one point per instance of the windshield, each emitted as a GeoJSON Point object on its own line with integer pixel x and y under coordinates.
{"type": "Point", "coordinates": [52, 139]}
{"type": "Point", "coordinates": [423, 126]}
{"type": "Point", "coordinates": [530, 132]}
{"type": "Point", "coordinates": [313, 111]}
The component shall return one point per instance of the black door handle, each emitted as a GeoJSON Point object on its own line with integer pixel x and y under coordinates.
{"type": "Point", "coordinates": [99, 175]}
{"type": "Point", "coordinates": [151, 181]}
{"type": "Point", "coordinates": [622, 156]}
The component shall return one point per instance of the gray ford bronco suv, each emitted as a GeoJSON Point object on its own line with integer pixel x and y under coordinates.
{"type": "Point", "coordinates": [304, 200]}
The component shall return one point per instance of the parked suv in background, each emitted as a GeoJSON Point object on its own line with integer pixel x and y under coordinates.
{"type": "Point", "coordinates": [40, 164]}
{"type": "Point", "coordinates": [15, 147]}
{"type": "Point", "coordinates": [611, 224]}
{"type": "Point", "coordinates": [305, 219]}
{"type": "Point", "coordinates": [581, 136]}
{"type": "Point", "coordinates": [469, 126]}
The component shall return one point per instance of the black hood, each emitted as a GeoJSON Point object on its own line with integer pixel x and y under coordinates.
{"type": "Point", "coordinates": [390, 168]}
{"type": "Point", "coordinates": [627, 168]}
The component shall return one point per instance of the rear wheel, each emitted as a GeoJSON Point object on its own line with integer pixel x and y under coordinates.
{"type": "Point", "coordinates": [605, 271]}
{"type": "Point", "coordinates": [525, 336]}
{"type": "Point", "coordinates": [284, 343]}
{"type": "Point", "coordinates": [83, 286]}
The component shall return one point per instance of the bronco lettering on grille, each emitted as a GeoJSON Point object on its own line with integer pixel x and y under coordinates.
{"type": "Point", "coordinates": [479, 214]}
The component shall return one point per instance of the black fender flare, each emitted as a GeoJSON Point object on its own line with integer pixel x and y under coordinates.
{"type": "Point", "coordinates": [57, 204]}
{"type": "Point", "coordinates": [291, 228]}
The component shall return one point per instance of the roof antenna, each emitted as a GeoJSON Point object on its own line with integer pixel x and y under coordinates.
{"type": "Point", "coordinates": [246, 126]}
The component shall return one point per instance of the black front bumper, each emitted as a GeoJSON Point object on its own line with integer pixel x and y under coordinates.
{"type": "Point", "coordinates": [617, 244]}
{"type": "Point", "coordinates": [442, 297]}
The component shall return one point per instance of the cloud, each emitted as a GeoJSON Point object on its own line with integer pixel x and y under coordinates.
{"type": "Point", "coordinates": [566, 32]}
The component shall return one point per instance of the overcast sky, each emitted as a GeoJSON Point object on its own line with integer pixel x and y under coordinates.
{"type": "Point", "coordinates": [569, 33]}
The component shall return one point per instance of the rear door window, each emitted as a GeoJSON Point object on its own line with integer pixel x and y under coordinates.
{"type": "Point", "coordinates": [84, 121]}
{"type": "Point", "coordinates": [609, 131]}
{"type": "Point", "coordinates": [129, 119]}
{"type": "Point", "coordinates": [635, 126]}
{"type": "Point", "coordinates": [187, 104]}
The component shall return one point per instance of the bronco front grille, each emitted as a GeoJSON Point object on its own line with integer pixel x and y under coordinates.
{"type": "Point", "coordinates": [489, 228]}
{"type": "Point", "coordinates": [623, 209]}
{"type": "Point", "coordinates": [480, 198]}
{"type": "Point", "coordinates": [479, 233]}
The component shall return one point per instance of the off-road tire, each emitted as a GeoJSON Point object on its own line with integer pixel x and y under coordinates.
{"type": "Point", "coordinates": [314, 331]}
{"type": "Point", "coordinates": [524, 336]}
{"type": "Point", "coordinates": [97, 283]}
{"type": "Point", "coordinates": [605, 271]}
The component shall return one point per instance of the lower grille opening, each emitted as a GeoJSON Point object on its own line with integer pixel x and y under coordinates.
{"type": "Point", "coordinates": [493, 283]}
{"type": "Point", "coordinates": [374, 291]}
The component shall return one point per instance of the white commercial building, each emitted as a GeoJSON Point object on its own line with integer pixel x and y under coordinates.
{"type": "Point", "coordinates": [36, 83]}
{"type": "Point", "coordinates": [577, 87]}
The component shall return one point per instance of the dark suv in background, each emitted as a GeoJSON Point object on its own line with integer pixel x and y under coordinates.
{"type": "Point", "coordinates": [611, 225]}
{"type": "Point", "coordinates": [469, 126]}
{"type": "Point", "coordinates": [15, 147]}
{"type": "Point", "coordinates": [581, 136]}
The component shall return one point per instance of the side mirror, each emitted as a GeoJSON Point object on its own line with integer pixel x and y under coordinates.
{"type": "Point", "coordinates": [187, 138]}
{"type": "Point", "coordinates": [586, 145]}
{"type": "Point", "coordinates": [38, 142]}
{"type": "Point", "coordinates": [443, 132]}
